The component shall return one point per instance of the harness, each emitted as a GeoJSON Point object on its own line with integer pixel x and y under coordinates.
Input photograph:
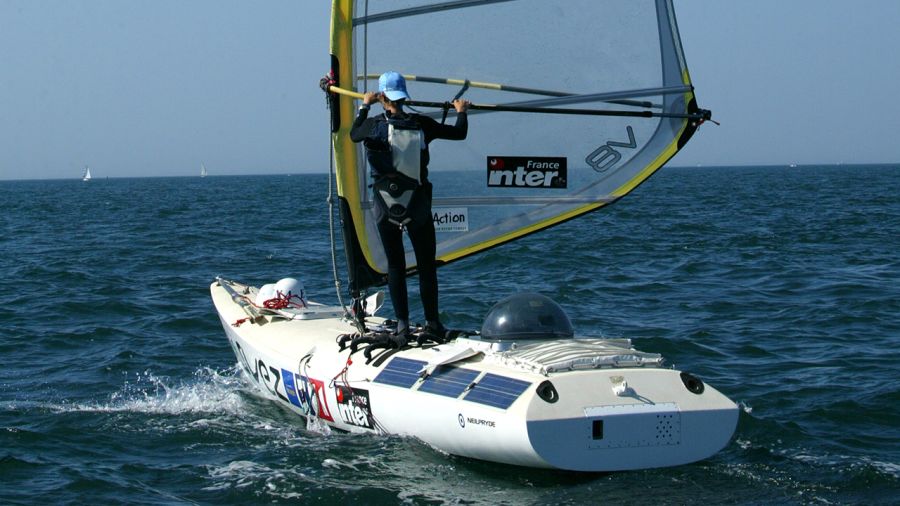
{"type": "Point", "coordinates": [394, 153]}
{"type": "Point", "coordinates": [406, 149]}
{"type": "Point", "coordinates": [396, 194]}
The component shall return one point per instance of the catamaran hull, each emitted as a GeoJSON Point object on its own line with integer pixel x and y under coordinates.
{"type": "Point", "coordinates": [582, 423]}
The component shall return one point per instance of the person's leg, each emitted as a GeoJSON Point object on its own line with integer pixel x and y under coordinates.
{"type": "Point", "coordinates": [392, 240]}
{"type": "Point", "coordinates": [423, 241]}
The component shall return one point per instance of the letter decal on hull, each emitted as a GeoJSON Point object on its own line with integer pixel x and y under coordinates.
{"type": "Point", "coordinates": [475, 422]}
{"type": "Point", "coordinates": [303, 394]}
{"type": "Point", "coordinates": [290, 388]}
{"type": "Point", "coordinates": [277, 375]}
{"type": "Point", "coordinates": [242, 358]}
{"type": "Point", "coordinates": [353, 406]}
{"type": "Point", "coordinates": [321, 400]}
{"type": "Point", "coordinates": [271, 381]}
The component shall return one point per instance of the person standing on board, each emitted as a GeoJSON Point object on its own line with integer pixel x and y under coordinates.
{"type": "Point", "coordinates": [396, 145]}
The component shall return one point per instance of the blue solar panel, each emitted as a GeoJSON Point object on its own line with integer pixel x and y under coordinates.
{"type": "Point", "coordinates": [497, 391]}
{"type": "Point", "coordinates": [449, 381]}
{"type": "Point", "coordinates": [401, 372]}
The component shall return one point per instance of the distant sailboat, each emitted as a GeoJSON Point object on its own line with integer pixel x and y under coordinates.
{"type": "Point", "coordinates": [202, 170]}
{"type": "Point", "coordinates": [87, 174]}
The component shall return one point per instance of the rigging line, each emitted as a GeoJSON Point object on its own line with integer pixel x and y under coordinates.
{"type": "Point", "coordinates": [703, 114]}
{"type": "Point", "coordinates": [330, 199]}
{"type": "Point", "coordinates": [460, 93]}
{"type": "Point", "coordinates": [506, 87]}
{"type": "Point", "coordinates": [415, 11]}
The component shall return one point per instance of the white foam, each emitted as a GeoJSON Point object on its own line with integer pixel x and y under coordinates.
{"type": "Point", "coordinates": [280, 483]}
{"type": "Point", "coordinates": [315, 425]}
{"type": "Point", "coordinates": [890, 468]}
{"type": "Point", "coordinates": [824, 459]}
{"type": "Point", "coordinates": [209, 392]}
{"type": "Point", "coordinates": [846, 461]}
{"type": "Point", "coordinates": [337, 464]}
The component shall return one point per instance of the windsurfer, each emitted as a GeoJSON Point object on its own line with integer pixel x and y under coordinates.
{"type": "Point", "coordinates": [396, 145]}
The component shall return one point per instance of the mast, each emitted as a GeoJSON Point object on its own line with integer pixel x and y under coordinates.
{"type": "Point", "coordinates": [360, 272]}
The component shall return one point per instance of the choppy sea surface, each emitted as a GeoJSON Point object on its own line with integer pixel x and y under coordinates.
{"type": "Point", "coordinates": [779, 286]}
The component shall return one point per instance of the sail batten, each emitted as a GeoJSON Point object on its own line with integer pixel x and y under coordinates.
{"type": "Point", "coordinates": [576, 104]}
{"type": "Point", "coordinates": [565, 97]}
{"type": "Point", "coordinates": [426, 9]}
{"type": "Point", "coordinates": [549, 106]}
{"type": "Point", "coordinates": [509, 201]}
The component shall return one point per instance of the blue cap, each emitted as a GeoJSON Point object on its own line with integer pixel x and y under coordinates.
{"type": "Point", "coordinates": [393, 85]}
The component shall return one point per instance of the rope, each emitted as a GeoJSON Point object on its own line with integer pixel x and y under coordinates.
{"type": "Point", "coordinates": [330, 200]}
{"type": "Point", "coordinates": [301, 367]}
{"type": "Point", "coordinates": [343, 374]}
{"type": "Point", "coordinates": [282, 301]}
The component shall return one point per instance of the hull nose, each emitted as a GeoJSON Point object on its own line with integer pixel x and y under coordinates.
{"type": "Point", "coordinates": [625, 419]}
{"type": "Point", "coordinates": [616, 438]}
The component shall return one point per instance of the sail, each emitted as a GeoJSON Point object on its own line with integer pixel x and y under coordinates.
{"type": "Point", "coordinates": [202, 170]}
{"type": "Point", "coordinates": [590, 98]}
{"type": "Point", "coordinates": [86, 176]}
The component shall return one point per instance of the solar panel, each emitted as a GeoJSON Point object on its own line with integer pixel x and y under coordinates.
{"type": "Point", "coordinates": [497, 391]}
{"type": "Point", "coordinates": [449, 381]}
{"type": "Point", "coordinates": [401, 372]}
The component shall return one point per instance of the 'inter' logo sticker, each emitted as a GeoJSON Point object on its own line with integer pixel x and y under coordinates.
{"type": "Point", "coordinates": [526, 172]}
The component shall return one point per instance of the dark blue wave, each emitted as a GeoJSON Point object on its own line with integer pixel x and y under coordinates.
{"type": "Point", "coordinates": [779, 286]}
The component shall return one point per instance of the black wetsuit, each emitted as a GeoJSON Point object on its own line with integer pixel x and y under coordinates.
{"type": "Point", "coordinates": [373, 133]}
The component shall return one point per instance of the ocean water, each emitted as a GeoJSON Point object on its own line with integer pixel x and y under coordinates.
{"type": "Point", "coordinates": [779, 286]}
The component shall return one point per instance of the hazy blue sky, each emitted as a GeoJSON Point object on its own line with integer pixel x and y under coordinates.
{"type": "Point", "coordinates": [136, 88]}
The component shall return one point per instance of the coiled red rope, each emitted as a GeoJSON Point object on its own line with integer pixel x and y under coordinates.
{"type": "Point", "coordinates": [282, 301]}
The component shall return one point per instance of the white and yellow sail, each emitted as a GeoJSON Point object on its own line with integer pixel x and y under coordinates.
{"type": "Point", "coordinates": [605, 82]}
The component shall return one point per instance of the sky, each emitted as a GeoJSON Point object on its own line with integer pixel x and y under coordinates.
{"type": "Point", "coordinates": [155, 88]}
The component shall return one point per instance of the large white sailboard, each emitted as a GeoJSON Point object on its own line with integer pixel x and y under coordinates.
{"type": "Point", "coordinates": [575, 104]}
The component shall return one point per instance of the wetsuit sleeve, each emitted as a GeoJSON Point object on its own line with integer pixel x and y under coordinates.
{"type": "Point", "coordinates": [362, 126]}
{"type": "Point", "coordinates": [435, 130]}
